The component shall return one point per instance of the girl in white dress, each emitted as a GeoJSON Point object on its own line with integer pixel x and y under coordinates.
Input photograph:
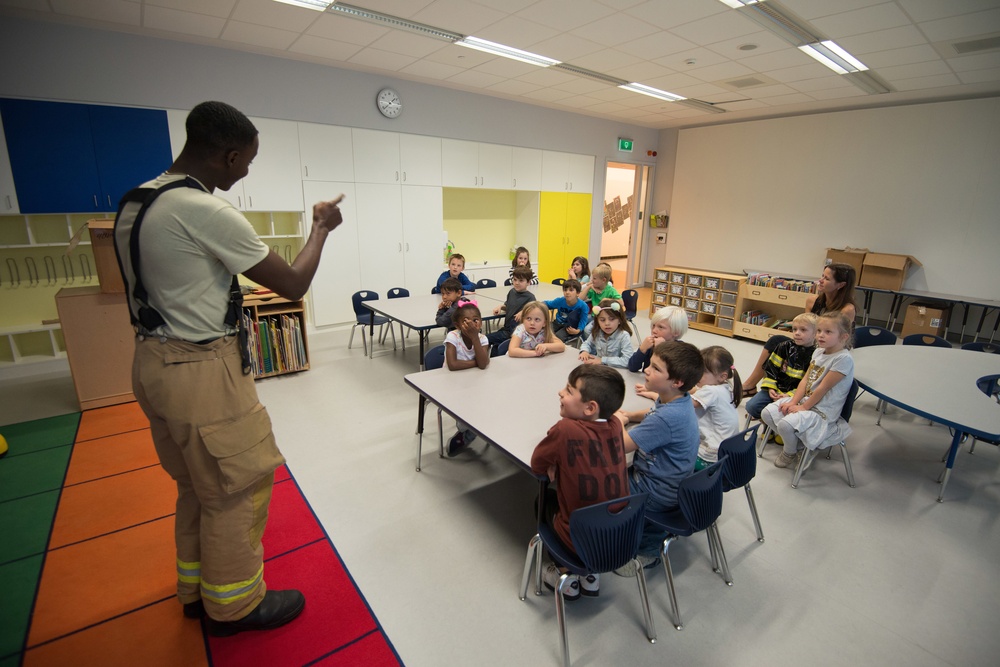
{"type": "Point", "coordinates": [533, 337]}
{"type": "Point", "coordinates": [715, 403]}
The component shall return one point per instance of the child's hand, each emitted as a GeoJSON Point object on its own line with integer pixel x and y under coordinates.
{"type": "Point", "coordinates": [640, 387]}
{"type": "Point", "coordinates": [584, 356]}
{"type": "Point", "coordinates": [469, 330]}
{"type": "Point", "coordinates": [622, 416]}
{"type": "Point", "coordinates": [517, 316]}
{"type": "Point", "coordinates": [789, 408]}
{"type": "Point", "coordinates": [572, 332]}
{"type": "Point", "coordinates": [496, 311]}
{"type": "Point", "coordinates": [594, 361]}
{"type": "Point", "coordinates": [775, 394]}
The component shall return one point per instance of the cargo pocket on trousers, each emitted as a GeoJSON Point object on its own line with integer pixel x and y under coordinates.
{"type": "Point", "coordinates": [244, 448]}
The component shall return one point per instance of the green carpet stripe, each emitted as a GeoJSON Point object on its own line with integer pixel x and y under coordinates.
{"type": "Point", "coordinates": [41, 433]}
{"type": "Point", "coordinates": [17, 595]}
{"type": "Point", "coordinates": [33, 473]}
{"type": "Point", "coordinates": [25, 524]}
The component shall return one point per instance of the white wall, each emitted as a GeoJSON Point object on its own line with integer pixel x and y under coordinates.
{"type": "Point", "coordinates": [922, 180]}
{"type": "Point", "coordinates": [68, 63]}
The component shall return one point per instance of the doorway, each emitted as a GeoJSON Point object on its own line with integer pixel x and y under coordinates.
{"type": "Point", "coordinates": [626, 197]}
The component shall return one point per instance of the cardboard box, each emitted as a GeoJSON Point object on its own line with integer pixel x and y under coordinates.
{"type": "Point", "coordinates": [926, 318]}
{"type": "Point", "coordinates": [853, 256]}
{"type": "Point", "coordinates": [885, 271]}
{"type": "Point", "coordinates": [102, 244]}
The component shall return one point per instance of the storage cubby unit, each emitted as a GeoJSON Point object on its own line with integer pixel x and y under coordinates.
{"type": "Point", "coordinates": [708, 297]}
{"type": "Point", "coordinates": [276, 330]}
{"type": "Point", "coordinates": [767, 307]}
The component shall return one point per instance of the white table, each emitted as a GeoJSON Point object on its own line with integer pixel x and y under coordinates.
{"type": "Point", "coordinates": [512, 403]}
{"type": "Point", "coordinates": [542, 292]}
{"type": "Point", "coordinates": [936, 383]}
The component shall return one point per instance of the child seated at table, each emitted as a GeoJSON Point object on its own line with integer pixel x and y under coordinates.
{"type": "Point", "coordinates": [610, 342]}
{"type": "Point", "coordinates": [451, 290]}
{"type": "Point", "coordinates": [811, 416]}
{"type": "Point", "coordinates": [517, 298]}
{"type": "Point", "coordinates": [601, 287]}
{"type": "Point", "coordinates": [456, 265]}
{"type": "Point", "coordinates": [533, 337]}
{"type": "Point", "coordinates": [666, 324]}
{"type": "Point", "coordinates": [465, 347]}
{"type": "Point", "coordinates": [782, 363]}
{"type": "Point", "coordinates": [521, 258]}
{"type": "Point", "coordinates": [715, 403]}
{"type": "Point", "coordinates": [666, 439]}
{"type": "Point", "coordinates": [583, 453]}
{"type": "Point", "coordinates": [571, 311]}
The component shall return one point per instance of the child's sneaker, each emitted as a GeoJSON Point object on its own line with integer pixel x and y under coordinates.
{"type": "Point", "coordinates": [784, 460]}
{"type": "Point", "coordinates": [469, 435]}
{"type": "Point", "coordinates": [551, 576]}
{"type": "Point", "coordinates": [590, 585]}
{"type": "Point", "coordinates": [456, 444]}
{"type": "Point", "coordinates": [629, 569]}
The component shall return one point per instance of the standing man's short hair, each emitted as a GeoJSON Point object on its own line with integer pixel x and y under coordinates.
{"type": "Point", "coordinates": [217, 126]}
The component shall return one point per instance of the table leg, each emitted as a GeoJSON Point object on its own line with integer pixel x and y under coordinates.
{"type": "Point", "coordinates": [956, 441]}
{"type": "Point", "coordinates": [420, 427]}
{"type": "Point", "coordinates": [423, 334]}
{"type": "Point", "coordinates": [371, 336]}
{"type": "Point", "coordinates": [965, 318]}
{"type": "Point", "coordinates": [868, 307]}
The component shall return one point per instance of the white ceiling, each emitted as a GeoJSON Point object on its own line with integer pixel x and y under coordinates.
{"type": "Point", "coordinates": [687, 47]}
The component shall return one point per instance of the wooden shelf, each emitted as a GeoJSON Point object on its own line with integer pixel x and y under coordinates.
{"type": "Point", "coordinates": [710, 298]}
{"type": "Point", "coordinates": [277, 333]}
{"type": "Point", "coordinates": [777, 304]}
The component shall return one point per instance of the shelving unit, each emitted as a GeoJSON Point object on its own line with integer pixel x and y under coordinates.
{"type": "Point", "coordinates": [709, 297]}
{"type": "Point", "coordinates": [277, 334]}
{"type": "Point", "coordinates": [775, 299]}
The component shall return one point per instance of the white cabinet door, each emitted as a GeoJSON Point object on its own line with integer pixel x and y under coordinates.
{"type": "Point", "coordinates": [339, 273]}
{"type": "Point", "coordinates": [459, 163]}
{"type": "Point", "coordinates": [581, 173]}
{"type": "Point", "coordinates": [327, 152]}
{"type": "Point", "coordinates": [420, 159]}
{"type": "Point", "coordinates": [8, 195]}
{"type": "Point", "coordinates": [494, 167]}
{"type": "Point", "coordinates": [423, 237]}
{"type": "Point", "coordinates": [380, 236]}
{"type": "Point", "coordinates": [555, 171]}
{"type": "Point", "coordinates": [273, 183]}
{"type": "Point", "coordinates": [526, 169]}
{"type": "Point", "coordinates": [376, 157]}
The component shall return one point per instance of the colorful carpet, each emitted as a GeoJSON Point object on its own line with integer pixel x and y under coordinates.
{"type": "Point", "coordinates": [86, 558]}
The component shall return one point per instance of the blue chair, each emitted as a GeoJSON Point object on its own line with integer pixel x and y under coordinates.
{"type": "Point", "coordinates": [700, 504]}
{"type": "Point", "coordinates": [559, 281]}
{"type": "Point", "coordinates": [432, 360]}
{"type": "Point", "coordinates": [605, 537]}
{"type": "Point", "coordinates": [982, 346]}
{"type": "Point", "coordinates": [485, 282]}
{"type": "Point", "coordinates": [508, 282]}
{"type": "Point", "coordinates": [868, 336]}
{"type": "Point", "coordinates": [500, 349]}
{"type": "Point", "coordinates": [435, 290]}
{"type": "Point", "coordinates": [400, 293]}
{"type": "Point", "coordinates": [989, 385]}
{"type": "Point", "coordinates": [741, 467]}
{"type": "Point", "coordinates": [927, 340]}
{"type": "Point", "coordinates": [364, 318]}
{"type": "Point", "coordinates": [809, 455]}
{"type": "Point", "coordinates": [631, 300]}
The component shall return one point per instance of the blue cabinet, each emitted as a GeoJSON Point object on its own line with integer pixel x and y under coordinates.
{"type": "Point", "coordinates": [79, 158]}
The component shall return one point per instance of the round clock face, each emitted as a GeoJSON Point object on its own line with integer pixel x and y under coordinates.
{"type": "Point", "coordinates": [389, 103]}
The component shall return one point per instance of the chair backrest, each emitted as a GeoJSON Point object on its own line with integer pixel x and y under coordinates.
{"type": "Point", "coordinates": [927, 340]}
{"type": "Point", "coordinates": [500, 349]}
{"type": "Point", "coordinates": [700, 495]}
{"type": "Point", "coordinates": [358, 297]}
{"type": "Point", "coordinates": [434, 358]}
{"type": "Point", "coordinates": [435, 290]}
{"type": "Point", "coordinates": [868, 336]}
{"type": "Point", "coordinates": [848, 408]}
{"type": "Point", "coordinates": [606, 536]}
{"type": "Point", "coordinates": [486, 282]}
{"type": "Point", "coordinates": [989, 385]}
{"type": "Point", "coordinates": [741, 458]}
{"type": "Point", "coordinates": [508, 282]}
{"type": "Point", "coordinates": [559, 281]}
{"type": "Point", "coordinates": [398, 293]}
{"type": "Point", "coordinates": [631, 300]}
{"type": "Point", "coordinates": [982, 346]}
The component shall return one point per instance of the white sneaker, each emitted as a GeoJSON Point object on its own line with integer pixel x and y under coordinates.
{"type": "Point", "coordinates": [551, 576]}
{"type": "Point", "coordinates": [590, 585]}
{"type": "Point", "coordinates": [629, 569]}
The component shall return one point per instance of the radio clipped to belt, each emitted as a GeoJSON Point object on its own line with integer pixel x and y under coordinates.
{"type": "Point", "coordinates": [147, 317]}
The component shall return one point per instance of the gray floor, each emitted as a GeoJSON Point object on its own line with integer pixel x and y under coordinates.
{"type": "Point", "coordinates": [876, 575]}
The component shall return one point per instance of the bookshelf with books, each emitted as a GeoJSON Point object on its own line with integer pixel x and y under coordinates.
{"type": "Point", "coordinates": [708, 297]}
{"type": "Point", "coordinates": [768, 302]}
{"type": "Point", "coordinates": [277, 335]}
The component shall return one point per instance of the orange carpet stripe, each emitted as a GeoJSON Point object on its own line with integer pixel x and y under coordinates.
{"type": "Point", "coordinates": [112, 503]}
{"type": "Point", "coordinates": [156, 636]}
{"type": "Point", "coordinates": [110, 455]}
{"type": "Point", "coordinates": [111, 420]}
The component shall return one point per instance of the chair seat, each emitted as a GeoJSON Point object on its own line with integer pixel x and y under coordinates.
{"type": "Point", "coordinates": [673, 522]}
{"type": "Point", "coordinates": [558, 551]}
{"type": "Point", "coordinates": [378, 321]}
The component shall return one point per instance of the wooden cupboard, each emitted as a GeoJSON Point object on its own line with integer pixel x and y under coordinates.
{"type": "Point", "coordinates": [563, 232]}
{"type": "Point", "coordinates": [710, 298]}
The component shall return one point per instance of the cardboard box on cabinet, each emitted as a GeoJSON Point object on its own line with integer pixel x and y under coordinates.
{"type": "Point", "coordinates": [886, 271]}
{"type": "Point", "coordinates": [926, 318]}
{"type": "Point", "coordinates": [853, 256]}
{"type": "Point", "coordinates": [102, 244]}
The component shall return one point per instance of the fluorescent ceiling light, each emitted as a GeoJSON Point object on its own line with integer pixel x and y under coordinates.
{"type": "Point", "coordinates": [652, 92]}
{"type": "Point", "coordinates": [389, 21]}
{"type": "Point", "coordinates": [736, 4]}
{"type": "Point", "coordinates": [506, 51]}
{"type": "Point", "coordinates": [318, 5]}
{"type": "Point", "coordinates": [834, 57]}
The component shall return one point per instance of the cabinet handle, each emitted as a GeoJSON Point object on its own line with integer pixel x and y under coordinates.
{"type": "Point", "coordinates": [567, 185]}
{"type": "Point", "coordinates": [95, 202]}
{"type": "Point", "coordinates": [397, 175]}
{"type": "Point", "coordinates": [515, 182]}
{"type": "Point", "coordinates": [407, 247]}
{"type": "Point", "coordinates": [782, 297]}
{"type": "Point", "coordinates": [755, 292]}
{"type": "Point", "coordinates": [250, 199]}
{"type": "Point", "coordinates": [400, 247]}
{"type": "Point", "coordinates": [109, 200]}
{"type": "Point", "coordinates": [306, 168]}
{"type": "Point", "coordinates": [9, 205]}
{"type": "Point", "coordinates": [404, 177]}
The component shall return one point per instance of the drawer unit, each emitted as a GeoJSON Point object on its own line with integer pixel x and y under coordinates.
{"type": "Point", "coordinates": [702, 294]}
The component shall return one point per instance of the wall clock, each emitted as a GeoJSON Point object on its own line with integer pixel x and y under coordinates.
{"type": "Point", "coordinates": [389, 103]}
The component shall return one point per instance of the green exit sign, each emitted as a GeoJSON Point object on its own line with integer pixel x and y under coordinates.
{"type": "Point", "coordinates": [625, 145]}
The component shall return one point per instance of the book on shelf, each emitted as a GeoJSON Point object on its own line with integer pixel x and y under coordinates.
{"type": "Point", "coordinates": [777, 282]}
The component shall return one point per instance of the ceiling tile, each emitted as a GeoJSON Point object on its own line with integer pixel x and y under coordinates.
{"type": "Point", "coordinates": [980, 76]}
{"type": "Point", "coordinates": [766, 42]}
{"type": "Point", "coordinates": [514, 87]}
{"type": "Point", "coordinates": [643, 71]}
{"type": "Point", "coordinates": [800, 73]}
{"type": "Point", "coordinates": [614, 29]}
{"type": "Point", "coordinates": [188, 23]}
{"type": "Point", "coordinates": [926, 82]}
{"type": "Point", "coordinates": [113, 11]}
{"type": "Point", "coordinates": [703, 58]}
{"type": "Point", "coordinates": [403, 8]}
{"type": "Point", "coordinates": [564, 14]}
{"type": "Point", "coordinates": [431, 70]}
{"type": "Point", "coordinates": [605, 107]}
{"type": "Point", "coordinates": [760, 92]}
{"type": "Point", "coordinates": [506, 5]}
{"type": "Point", "coordinates": [459, 56]}
{"type": "Point", "coordinates": [408, 44]}
{"type": "Point", "coordinates": [882, 40]}
{"type": "Point", "coordinates": [612, 94]}
{"type": "Point", "coordinates": [968, 25]}
{"type": "Point", "coordinates": [565, 47]}
{"type": "Point", "coordinates": [505, 67]}
{"type": "Point", "coordinates": [657, 45]}
{"type": "Point", "coordinates": [838, 93]}
{"type": "Point", "coordinates": [258, 35]}
{"type": "Point", "coordinates": [548, 77]}
{"type": "Point", "coordinates": [932, 68]}
{"type": "Point", "coordinates": [347, 30]}
{"type": "Point", "coordinates": [606, 60]}
{"type": "Point", "coordinates": [33, 5]}
{"type": "Point", "coordinates": [517, 32]}
{"type": "Point", "coordinates": [812, 86]}
{"type": "Point", "coordinates": [978, 61]}
{"type": "Point", "coordinates": [909, 54]}
{"type": "Point", "coordinates": [793, 98]}
{"type": "Point", "coordinates": [929, 10]}
{"type": "Point", "coordinates": [697, 90]}
{"type": "Point", "coordinates": [217, 8]}
{"type": "Point", "coordinates": [742, 105]}
{"type": "Point", "coordinates": [621, 4]}
{"type": "Point", "coordinates": [582, 86]}
{"type": "Point", "coordinates": [790, 57]}
{"type": "Point", "coordinates": [274, 15]}
{"type": "Point", "coordinates": [457, 16]}
{"type": "Point", "coordinates": [721, 72]}
{"type": "Point", "coordinates": [323, 48]}
{"type": "Point", "coordinates": [717, 28]}
{"type": "Point", "coordinates": [673, 81]}
{"type": "Point", "coordinates": [476, 79]}
{"type": "Point", "coordinates": [669, 13]}
{"type": "Point", "coordinates": [813, 9]}
{"type": "Point", "coordinates": [370, 57]}
{"type": "Point", "coordinates": [548, 94]}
